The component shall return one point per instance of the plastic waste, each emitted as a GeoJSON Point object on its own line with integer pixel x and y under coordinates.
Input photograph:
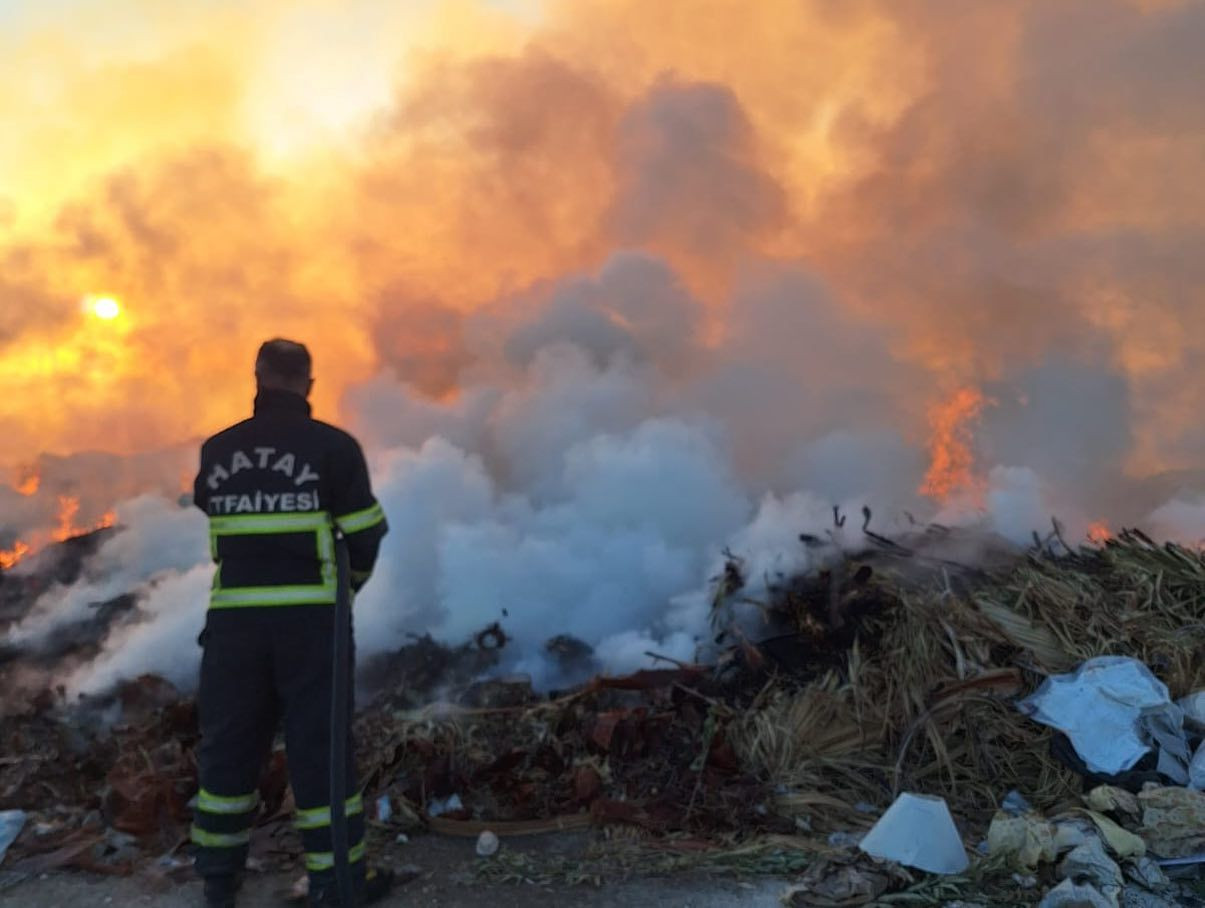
{"type": "Point", "coordinates": [1196, 769]}
{"type": "Point", "coordinates": [1073, 895]}
{"type": "Point", "coordinates": [487, 844]}
{"type": "Point", "coordinates": [1023, 841]}
{"type": "Point", "coordinates": [842, 839]}
{"type": "Point", "coordinates": [1014, 804]}
{"type": "Point", "coordinates": [1173, 821]}
{"type": "Point", "coordinates": [437, 807]}
{"type": "Point", "coordinates": [11, 824]}
{"type": "Point", "coordinates": [1098, 707]}
{"type": "Point", "coordinates": [1193, 707]}
{"type": "Point", "coordinates": [384, 808]}
{"type": "Point", "coordinates": [918, 831]}
{"type": "Point", "coordinates": [1090, 862]}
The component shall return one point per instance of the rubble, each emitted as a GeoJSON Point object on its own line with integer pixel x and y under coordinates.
{"type": "Point", "coordinates": [890, 670]}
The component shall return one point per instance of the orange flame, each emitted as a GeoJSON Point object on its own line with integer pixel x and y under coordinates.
{"type": "Point", "coordinates": [1098, 532]}
{"type": "Point", "coordinates": [951, 460]}
{"type": "Point", "coordinates": [67, 527]}
{"type": "Point", "coordinates": [9, 557]}
{"type": "Point", "coordinates": [29, 483]}
{"type": "Point", "coordinates": [68, 509]}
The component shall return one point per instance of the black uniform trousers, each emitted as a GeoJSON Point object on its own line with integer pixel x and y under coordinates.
{"type": "Point", "coordinates": [261, 665]}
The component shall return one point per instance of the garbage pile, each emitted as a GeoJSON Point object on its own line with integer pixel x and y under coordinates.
{"type": "Point", "coordinates": [902, 678]}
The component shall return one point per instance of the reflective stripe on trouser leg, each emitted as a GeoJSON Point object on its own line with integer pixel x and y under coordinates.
{"type": "Point", "coordinates": [208, 802]}
{"type": "Point", "coordinates": [223, 821]}
{"type": "Point", "coordinates": [318, 861]}
{"type": "Point", "coordinates": [316, 839]}
{"type": "Point", "coordinates": [317, 817]}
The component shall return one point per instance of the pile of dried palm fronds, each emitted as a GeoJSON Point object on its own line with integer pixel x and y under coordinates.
{"type": "Point", "coordinates": [887, 669]}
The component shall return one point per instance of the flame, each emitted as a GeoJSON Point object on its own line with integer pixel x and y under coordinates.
{"type": "Point", "coordinates": [67, 528]}
{"type": "Point", "coordinates": [1099, 532]}
{"type": "Point", "coordinates": [68, 509]}
{"type": "Point", "coordinates": [29, 483]}
{"type": "Point", "coordinates": [9, 557]}
{"type": "Point", "coordinates": [951, 458]}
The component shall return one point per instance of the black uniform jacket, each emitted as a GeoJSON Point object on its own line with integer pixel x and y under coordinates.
{"type": "Point", "coordinates": [278, 487]}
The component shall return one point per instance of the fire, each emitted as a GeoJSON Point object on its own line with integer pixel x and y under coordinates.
{"type": "Point", "coordinates": [67, 528]}
{"type": "Point", "coordinates": [951, 459]}
{"type": "Point", "coordinates": [29, 483]}
{"type": "Point", "coordinates": [68, 509]}
{"type": "Point", "coordinates": [1099, 532]}
{"type": "Point", "coordinates": [9, 557]}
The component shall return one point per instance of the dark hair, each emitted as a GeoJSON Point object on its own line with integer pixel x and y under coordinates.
{"type": "Point", "coordinates": [283, 360]}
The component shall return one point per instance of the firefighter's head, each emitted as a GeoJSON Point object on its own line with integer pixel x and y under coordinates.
{"type": "Point", "coordinates": [284, 365]}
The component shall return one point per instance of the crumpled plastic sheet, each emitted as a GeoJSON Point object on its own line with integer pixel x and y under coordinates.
{"type": "Point", "coordinates": [1173, 821]}
{"type": "Point", "coordinates": [1098, 707]}
{"type": "Point", "coordinates": [1068, 894]}
{"type": "Point", "coordinates": [1193, 707]}
{"type": "Point", "coordinates": [1196, 769]}
{"type": "Point", "coordinates": [1165, 726]}
{"type": "Point", "coordinates": [11, 824]}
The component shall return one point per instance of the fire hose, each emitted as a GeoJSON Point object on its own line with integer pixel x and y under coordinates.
{"type": "Point", "coordinates": [340, 703]}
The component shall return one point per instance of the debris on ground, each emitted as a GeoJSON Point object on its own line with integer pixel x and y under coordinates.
{"type": "Point", "coordinates": [898, 673]}
{"type": "Point", "coordinates": [11, 824]}
{"type": "Point", "coordinates": [917, 831]}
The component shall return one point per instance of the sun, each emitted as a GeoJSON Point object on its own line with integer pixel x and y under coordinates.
{"type": "Point", "coordinates": [103, 307]}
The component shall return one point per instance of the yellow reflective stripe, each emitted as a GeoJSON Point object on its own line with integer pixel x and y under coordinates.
{"type": "Point", "coordinates": [211, 803]}
{"type": "Point", "coordinates": [361, 520]}
{"type": "Point", "coordinates": [319, 594]}
{"type": "Point", "coordinates": [326, 555]}
{"type": "Point", "coordinates": [317, 522]}
{"type": "Point", "coordinates": [317, 817]}
{"type": "Point", "coordinates": [325, 860]}
{"type": "Point", "coordinates": [247, 524]}
{"type": "Point", "coordinates": [220, 839]}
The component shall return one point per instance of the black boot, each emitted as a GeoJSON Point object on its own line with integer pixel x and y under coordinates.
{"type": "Point", "coordinates": [376, 885]}
{"type": "Point", "coordinates": [220, 891]}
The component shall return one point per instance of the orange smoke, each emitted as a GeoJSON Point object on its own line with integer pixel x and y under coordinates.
{"type": "Point", "coordinates": [224, 175]}
{"type": "Point", "coordinates": [951, 458]}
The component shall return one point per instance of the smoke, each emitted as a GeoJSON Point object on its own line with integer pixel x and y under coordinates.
{"type": "Point", "coordinates": [605, 289]}
{"type": "Point", "coordinates": [164, 539]}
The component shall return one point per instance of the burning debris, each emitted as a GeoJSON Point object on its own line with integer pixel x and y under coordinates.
{"type": "Point", "coordinates": [887, 670]}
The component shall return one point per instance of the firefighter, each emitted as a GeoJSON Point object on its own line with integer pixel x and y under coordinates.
{"type": "Point", "coordinates": [277, 488]}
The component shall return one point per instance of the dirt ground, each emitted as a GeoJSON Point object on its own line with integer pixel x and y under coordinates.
{"type": "Point", "coordinates": [446, 879]}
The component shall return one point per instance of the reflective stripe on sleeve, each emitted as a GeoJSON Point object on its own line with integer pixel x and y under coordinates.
{"type": "Point", "coordinates": [325, 860]}
{"type": "Point", "coordinates": [361, 520]}
{"type": "Point", "coordinates": [317, 817]}
{"type": "Point", "coordinates": [211, 803]}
